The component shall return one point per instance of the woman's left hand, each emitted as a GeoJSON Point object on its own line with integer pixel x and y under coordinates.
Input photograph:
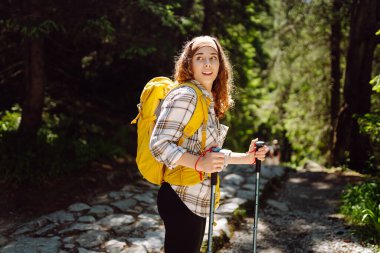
{"type": "Point", "coordinates": [258, 154]}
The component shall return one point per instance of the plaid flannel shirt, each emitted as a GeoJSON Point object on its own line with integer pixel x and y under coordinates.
{"type": "Point", "coordinates": [176, 111]}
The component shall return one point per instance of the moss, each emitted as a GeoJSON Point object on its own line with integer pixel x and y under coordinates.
{"type": "Point", "coordinates": [218, 243]}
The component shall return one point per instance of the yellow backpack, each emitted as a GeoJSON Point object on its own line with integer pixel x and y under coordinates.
{"type": "Point", "coordinates": [152, 95]}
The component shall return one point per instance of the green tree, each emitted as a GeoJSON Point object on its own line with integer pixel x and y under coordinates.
{"type": "Point", "coordinates": [298, 82]}
{"type": "Point", "coordinates": [335, 73]}
{"type": "Point", "coordinates": [35, 72]}
{"type": "Point", "coordinates": [357, 90]}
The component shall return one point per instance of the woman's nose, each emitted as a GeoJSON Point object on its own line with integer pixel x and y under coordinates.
{"type": "Point", "coordinates": [207, 62]}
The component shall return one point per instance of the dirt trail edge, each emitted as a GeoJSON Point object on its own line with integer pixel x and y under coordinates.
{"type": "Point", "coordinates": [302, 216]}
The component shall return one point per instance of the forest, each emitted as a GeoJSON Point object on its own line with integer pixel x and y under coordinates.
{"type": "Point", "coordinates": [71, 74]}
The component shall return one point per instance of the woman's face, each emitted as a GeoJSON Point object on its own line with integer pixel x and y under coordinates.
{"type": "Point", "coordinates": [205, 65]}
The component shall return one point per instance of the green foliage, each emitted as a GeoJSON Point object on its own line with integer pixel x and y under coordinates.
{"type": "Point", "coordinates": [372, 217]}
{"type": "Point", "coordinates": [370, 124]}
{"type": "Point", "coordinates": [249, 60]}
{"type": "Point", "coordinates": [361, 205]}
{"type": "Point", "coordinates": [37, 31]}
{"type": "Point", "coordinates": [165, 12]}
{"type": "Point", "coordinates": [376, 83]}
{"type": "Point", "coordinates": [56, 151]}
{"type": "Point", "coordinates": [296, 105]}
{"type": "Point", "coordinates": [29, 30]}
{"type": "Point", "coordinates": [10, 120]}
{"type": "Point", "coordinates": [101, 26]}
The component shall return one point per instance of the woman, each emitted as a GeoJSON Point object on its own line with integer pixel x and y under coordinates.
{"type": "Point", "coordinates": [184, 208]}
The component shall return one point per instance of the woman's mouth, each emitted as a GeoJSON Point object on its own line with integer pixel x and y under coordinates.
{"type": "Point", "coordinates": [207, 73]}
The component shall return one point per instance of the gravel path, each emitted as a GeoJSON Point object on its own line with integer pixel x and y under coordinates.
{"type": "Point", "coordinates": [301, 217]}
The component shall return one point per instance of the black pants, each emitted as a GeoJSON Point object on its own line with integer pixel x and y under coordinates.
{"type": "Point", "coordinates": [184, 230]}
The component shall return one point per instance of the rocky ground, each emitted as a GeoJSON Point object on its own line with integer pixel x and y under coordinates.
{"type": "Point", "coordinates": [301, 217]}
{"type": "Point", "coordinates": [298, 214]}
{"type": "Point", "coordinates": [124, 220]}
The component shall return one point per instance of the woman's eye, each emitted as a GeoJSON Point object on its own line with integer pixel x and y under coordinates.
{"type": "Point", "coordinates": [199, 58]}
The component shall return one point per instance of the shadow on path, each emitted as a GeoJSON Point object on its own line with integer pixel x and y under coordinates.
{"type": "Point", "coordinates": [301, 217]}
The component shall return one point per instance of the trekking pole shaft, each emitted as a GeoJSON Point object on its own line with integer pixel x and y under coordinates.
{"type": "Point", "coordinates": [256, 221]}
{"type": "Point", "coordinates": [214, 180]}
{"type": "Point", "coordinates": [211, 221]}
{"type": "Point", "coordinates": [258, 144]}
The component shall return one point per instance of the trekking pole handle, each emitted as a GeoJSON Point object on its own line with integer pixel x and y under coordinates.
{"type": "Point", "coordinates": [214, 176]}
{"type": "Point", "coordinates": [259, 144]}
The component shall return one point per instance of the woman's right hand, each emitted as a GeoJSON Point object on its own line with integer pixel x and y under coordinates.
{"type": "Point", "coordinates": [211, 162]}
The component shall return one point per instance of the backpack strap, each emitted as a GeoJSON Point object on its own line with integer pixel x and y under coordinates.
{"type": "Point", "coordinates": [193, 125]}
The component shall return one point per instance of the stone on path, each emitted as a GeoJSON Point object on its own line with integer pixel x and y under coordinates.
{"type": "Point", "coordinates": [115, 220]}
{"type": "Point", "coordinates": [92, 238]}
{"type": "Point", "coordinates": [227, 208]}
{"type": "Point", "coordinates": [125, 205]}
{"type": "Point", "coordinates": [147, 197]}
{"type": "Point", "coordinates": [31, 226]}
{"type": "Point", "coordinates": [87, 219]}
{"type": "Point", "coordinates": [152, 241]}
{"type": "Point", "coordinates": [135, 249]}
{"type": "Point", "coordinates": [244, 194]}
{"type": "Point", "coordinates": [120, 195]}
{"type": "Point", "coordinates": [82, 250]}
{"type": "Point", "coordinates": [268, 174]}
{"type": "Point", "coordinates": [222, 226]}
{"type": "Point", "coordinates": [233, 179]}
{"type": "Point", "coordinates": [148, 221]}
{"type": "Point", "coordinates": [79, 227]}
{"type": "Point", "coordinates": [100, 210]}
{"type": "Point", "coordinates": [227, 191]}
{"type": "Point", "coordinates": [114, 246]}
{"type": "Point", "coordinates": [78, 207]}
{"type": "Point", "coordinates": [250, 187]}
{"type": "Point", "coordinates": [46, 229]}
{"type": "Point", "coordinates": [60, 217]}
{"type": "Point", "coordinates": [236, 200]}
{"type": "Point", "coordinates": [33, 245]}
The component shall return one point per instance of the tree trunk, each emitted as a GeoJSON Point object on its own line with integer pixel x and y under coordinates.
{"type": "Point", "coordinates": [357, 90]}
{"type": "Point", "coordinates": [335, 39]}
{"type": "Point", "coordinates": [35, 77]}
{"type": "Point", "coordinates": [185, 11]}
{"type": "Point", "coordinates": [207, 21]}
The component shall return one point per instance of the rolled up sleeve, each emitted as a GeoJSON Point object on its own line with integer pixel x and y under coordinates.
{"type": "Point", "coordinates": [222, 134]}
{"type": "Point", "coordinates": [176, 111]}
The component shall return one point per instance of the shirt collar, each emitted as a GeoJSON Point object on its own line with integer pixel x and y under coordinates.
{"type": "Point", "coordinates": [203, 89]}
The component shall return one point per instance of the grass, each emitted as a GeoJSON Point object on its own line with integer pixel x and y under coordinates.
{"type": "Point", "coordinates": [361, 206]}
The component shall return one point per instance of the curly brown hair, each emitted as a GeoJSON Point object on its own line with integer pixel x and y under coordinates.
{"type": "Point", "coordinates": [223, 84]}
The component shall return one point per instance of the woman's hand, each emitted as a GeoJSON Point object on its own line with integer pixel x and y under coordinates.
{"type": "Point", "coordinates": [260, 153]}
{"type": "Point", "coordinates": [211, 162]}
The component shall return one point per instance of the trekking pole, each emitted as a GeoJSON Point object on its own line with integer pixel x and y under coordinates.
{"type": "Point", "coordinates": [258, 144]}
{"type": "Point", "coordinates": [214, 179]}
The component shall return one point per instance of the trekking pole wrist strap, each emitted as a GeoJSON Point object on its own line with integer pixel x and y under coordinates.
{"type": "Point", "coordinates": [196, 163]}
